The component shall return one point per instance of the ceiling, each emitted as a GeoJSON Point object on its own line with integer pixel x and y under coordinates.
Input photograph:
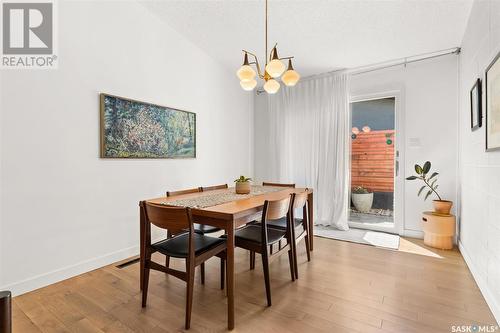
{"type": "Point", "coordinates": [322, 35]}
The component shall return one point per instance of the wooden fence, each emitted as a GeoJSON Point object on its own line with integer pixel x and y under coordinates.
{"type": "Point", "coordinates": [372, 160]}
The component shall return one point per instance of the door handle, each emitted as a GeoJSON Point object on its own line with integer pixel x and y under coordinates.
{"type": "Point", "coordinates": [397, 163]}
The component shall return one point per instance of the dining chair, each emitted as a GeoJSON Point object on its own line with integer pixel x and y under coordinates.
{"type": "Point", "coordinates": [195, 248]}
{"type": "Point", "coordinates": [169, 233]}
{"type": "Point", "coordinates": [204, 228]}
{"type": "Point", "coordinates": [198, 228]}
{"type": "Point", "coordinates": [277, 184]}
{"type": "Point", "coordinates": [252, 255]}
{"type": "Point", "coordinates": [258, 237]}
{"type": "Point", "coordinates": [300, 228]}
{"type": "Point", "coordinates": [212, 188]}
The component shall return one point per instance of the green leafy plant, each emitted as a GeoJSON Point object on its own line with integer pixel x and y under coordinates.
{"type": "Point", "coordinates": [242, 179]}
{"type": "Point", "coordinates": [429, 181]}
{"type": "Point", "coordinates": [360, 190]}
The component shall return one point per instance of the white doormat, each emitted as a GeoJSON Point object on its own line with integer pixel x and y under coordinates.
{"type": "Point", "coordinates": [374, 238]}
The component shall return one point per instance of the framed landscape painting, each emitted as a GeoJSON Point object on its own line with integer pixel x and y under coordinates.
{"type": "Point", "coordinates": [493, 105]}
{"type": "Point", "coordinates": [134, 129]}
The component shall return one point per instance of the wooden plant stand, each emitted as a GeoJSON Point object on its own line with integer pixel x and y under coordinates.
{"type": "Point", "coordinates": [439, 230]}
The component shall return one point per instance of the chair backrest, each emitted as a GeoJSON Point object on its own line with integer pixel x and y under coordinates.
{"type": "Point", "coordinates": [173, 219]}
{"type": "Point", "coordinates": [188, 191]}
{"type": "Point", "coordinates": [276, 209]}
{"type": "Point", "coordinates": [278, 184]}
{"type": "Point", "coordinates": [299, 199]}
{"type": "Point", "coordinates": [215, 187]}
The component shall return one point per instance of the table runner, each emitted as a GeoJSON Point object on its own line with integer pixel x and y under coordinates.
{"type": "Point", "coordinates": [214, 198]}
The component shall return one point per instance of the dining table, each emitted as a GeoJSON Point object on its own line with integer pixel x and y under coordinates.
{"type": "Point", "coordinates": [228, 212]}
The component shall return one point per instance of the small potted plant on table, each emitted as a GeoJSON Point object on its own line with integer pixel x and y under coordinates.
{"type": "Point", "coordinates": [242, 185]}
{"type": "Point", "coordinates": [440, 206]}
{"type": "Point", "coordinates": [362, 198]}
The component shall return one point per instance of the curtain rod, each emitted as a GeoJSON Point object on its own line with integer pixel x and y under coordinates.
{"type": "Point", "coordinates": [385, 64]}
{"type": "Point", "coordinates": [402, 61]}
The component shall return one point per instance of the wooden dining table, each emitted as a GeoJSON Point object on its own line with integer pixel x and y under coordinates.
{"type": "Point", "coordinates": [229, 216]}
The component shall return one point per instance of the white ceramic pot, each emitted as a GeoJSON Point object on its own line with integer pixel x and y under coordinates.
{"type": "Point", "coordinates": [363, 202]}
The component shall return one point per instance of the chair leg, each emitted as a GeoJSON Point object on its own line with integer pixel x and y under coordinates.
{"type": "Point", "coordinates": [265, 266]}
{"type": "Point", "coordinates": [252, 260]}
{"type": "Point", "coordinates": [145, 281]}
{"type": "Point", "coordinates": [308, 249]}
{"type": "Point", "coordinates": [271, 248]}
{"type": "Point", "coordinates": [189, 292]}
{"type": "Point", "coordinates": [222, 273]}
{"type": "Point", "coordinates": [292, 266]}
{"type": "Point", "coordinates": [279, 245]}
{"type": "Point", "coordinates": [167, 258]}
{"type": "Point", "coordinates": [295, 264]}
{"type": "Point", "coordinates": [202, 269]}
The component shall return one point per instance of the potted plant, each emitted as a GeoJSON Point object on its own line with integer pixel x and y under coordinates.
{"type": "Point", "coordinates": [243, 185]}
{"type": "Point", "coordinates": [440, 206]}
{"type": "Point", "coordinates": [362, 198]}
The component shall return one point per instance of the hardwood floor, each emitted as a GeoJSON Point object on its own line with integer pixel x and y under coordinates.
{"type": "Point", "coordinates": [345, 288]}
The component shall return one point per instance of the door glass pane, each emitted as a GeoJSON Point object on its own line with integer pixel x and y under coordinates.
{"type": "Point", "coordinates": [372, 161]}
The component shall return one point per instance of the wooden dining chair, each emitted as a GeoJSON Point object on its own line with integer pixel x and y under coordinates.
{"type": "Point", "coordinates": [252, 255]}
{"type": "Point", "coordinates": [300, 228]}
{"type": "Point", "coordinates": [258, 237]}
{"type": "Point", "coordinates": [191, 246]}
{"type": "Point", "coordinates": [199, 228]}
{"type": "Point", "coordinates": [212, 188]}
{"type": "Point", "coordinates": [181, 192]}
{"type": "Point", "coordinates": [278, 184]}
{"type": "Point", "coordinates": [169, 233]}
{"type": "Point", "coordinates": [204, 228]}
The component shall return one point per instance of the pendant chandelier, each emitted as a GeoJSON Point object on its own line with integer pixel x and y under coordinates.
{"type": "Point", "coordinates": [274, 68]}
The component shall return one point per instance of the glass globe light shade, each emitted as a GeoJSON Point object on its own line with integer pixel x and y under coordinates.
{"type": "Point", "coordinates": [366, 129]}
{"type": "Point", "coordinates": [248, 85]}
{"type": "Point", "coordinates": [275, 68]}
{"type": "Point", "coordinates": [290, 78]}
{"type": "Point", "coordinates": [245, 73]}
{"type": "Point", "coordinates": [355, 130]}
{"type": "Point", "coordinates": [272, 86]}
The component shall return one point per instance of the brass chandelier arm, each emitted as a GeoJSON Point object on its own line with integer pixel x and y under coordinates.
{"type": "Point", "coordinates": [256, 62]}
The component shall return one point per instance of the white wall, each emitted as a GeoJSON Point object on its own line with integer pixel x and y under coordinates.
{"type": "Point", "coordinates": [65, 210]}
{"type": "Point", "coordinates": [429, 104]}
{"type": "Point", "coordinates": [480, 171]}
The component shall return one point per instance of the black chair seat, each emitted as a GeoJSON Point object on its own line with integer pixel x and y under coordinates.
{"type": "Point", "coordinates": [281, 223]}
{"type": "Point", "coordinates": [178, 246]}
{"type": "Point", "coordinates": [253, 233]}
{"type": "Point", "coordinates": [204, 229]}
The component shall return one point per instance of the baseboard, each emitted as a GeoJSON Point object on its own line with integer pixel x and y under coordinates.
{"type": "Point", "coordinates": [413, 233]}
{"type": "Point", "coordinates": [42, 280]}
{"type": "Point", "coordinates": [481, 283]}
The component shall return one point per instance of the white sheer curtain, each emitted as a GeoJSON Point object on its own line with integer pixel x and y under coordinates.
{"type": "Point", "coordinates": [308, 127]}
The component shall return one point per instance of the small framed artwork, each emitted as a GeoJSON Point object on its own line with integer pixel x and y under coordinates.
{"type": "Point", "coordinates": [493, 105]}
{"type": "Point", "coordinates": [476, 113]}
